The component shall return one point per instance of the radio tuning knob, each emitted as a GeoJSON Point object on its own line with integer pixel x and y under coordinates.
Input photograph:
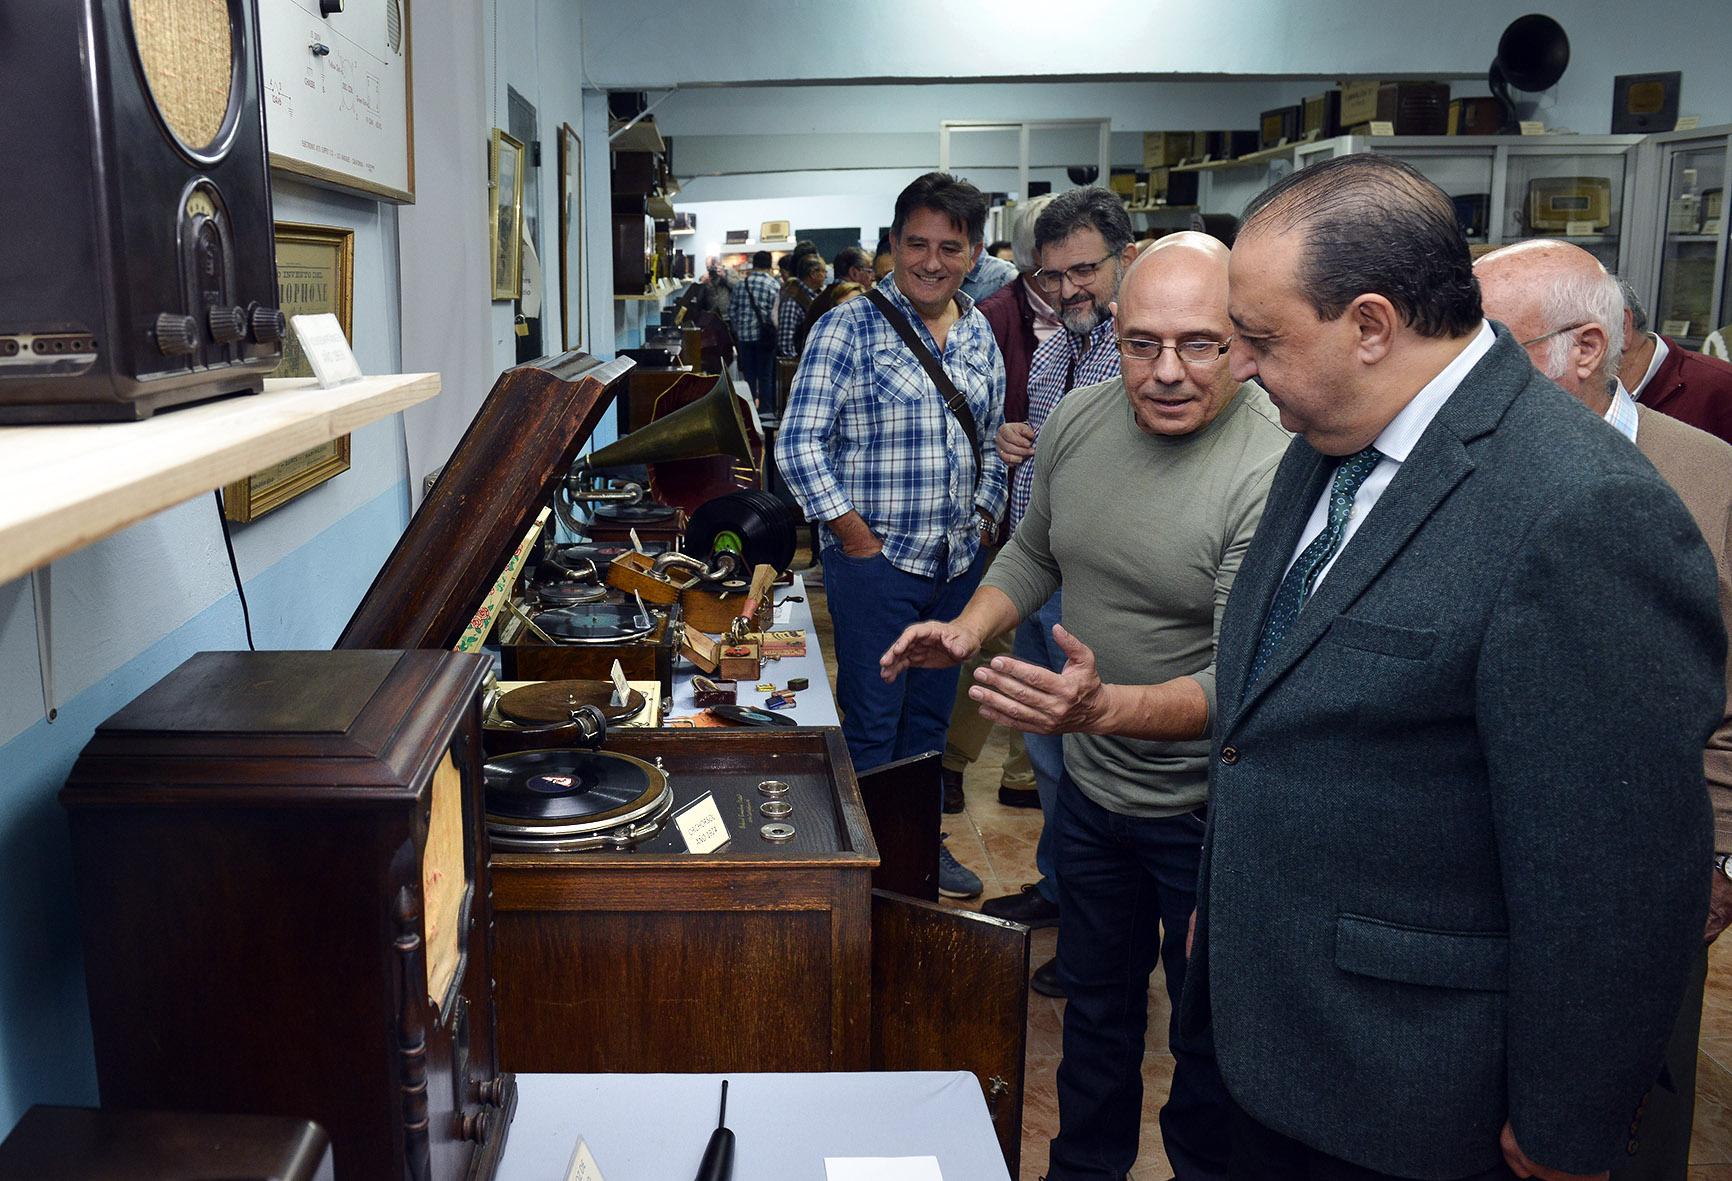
{"type": "Point", "coordinates": [227, 324]}
{"type": "Point", "coordinates": [268, 324]}
{"type": "Point", "coordinates": [176, 335]}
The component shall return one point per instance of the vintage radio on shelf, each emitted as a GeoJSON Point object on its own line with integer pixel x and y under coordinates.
{"type": "Point", "coordinates": [1473, 213]}
{"type": "Point", "coordinates": [1321, 117]}
{"type": "Point", "coordinates": [139, 268]}
{"type": "Point", "coordinates": [282, 874]}
{"type": "Point", "coordinates": [1569, 204]}
{"type": "Point", "coordinates": [1414, 108]}
{"type": "Point", "coordinates": [1229, 145]}
{"type": "Point", "coordinates": [1358, 103]}
{"type": "Point", "coordinates": [1474, 116]}
{"type": "Point", "coordinates": [1278, 126]}
{"type": "Point", "coordinates": [633, 253]}
{"type": "Point", "coordinates": [1162, 149]}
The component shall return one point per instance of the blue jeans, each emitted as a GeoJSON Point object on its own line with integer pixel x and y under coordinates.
{"type": "Point", "coordinates": [1127, 887]}
{"type": "Point", "coordinates": [1034, 643]}
{"type": "Point", "coordinates": [871, 601]}
{"type": "Point", "coordinates": [758, 367]}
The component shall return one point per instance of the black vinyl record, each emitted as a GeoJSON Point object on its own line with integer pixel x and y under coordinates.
{"type": "Point", "coordinates": [751, 715]}
{"type": "Point", "coordinates": [568, 592]}
{"type": "Point", "coordinates": [595, 623]}
{"type": "Point", "coordinates": [759, 526]}
{"type": "Point", "coordinates": [563, 785]}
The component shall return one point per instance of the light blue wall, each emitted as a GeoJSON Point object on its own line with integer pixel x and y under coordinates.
{"type": "Point", "coordinates": [301, 601]}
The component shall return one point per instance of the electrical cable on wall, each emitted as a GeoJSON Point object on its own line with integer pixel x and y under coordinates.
{"type": "Point", "coordinates": [234, 567]}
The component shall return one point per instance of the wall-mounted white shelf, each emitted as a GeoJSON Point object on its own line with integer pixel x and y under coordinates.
{"type": "Point", "coordinates": [63, 487]}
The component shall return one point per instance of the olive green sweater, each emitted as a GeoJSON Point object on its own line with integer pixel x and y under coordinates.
{"type": "Point", "coordinates": [1145, 534]}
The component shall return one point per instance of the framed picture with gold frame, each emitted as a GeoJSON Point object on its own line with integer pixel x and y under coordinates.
{"type": "Point", "coordinates": [570, 238]}
{"type": "Point", "coordinates": [315, 273]}
{"type": "Point", "coordinates": [505, 235]}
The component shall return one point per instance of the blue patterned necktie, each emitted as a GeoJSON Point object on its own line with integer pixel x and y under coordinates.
{"type": "Point", "coordinates": [1296, 587]}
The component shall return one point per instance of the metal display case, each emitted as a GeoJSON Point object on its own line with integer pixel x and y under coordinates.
{"type": "Point", "coordinates": [1682, 229]}
{"type": "Point", "coordinates": [1580, 188]}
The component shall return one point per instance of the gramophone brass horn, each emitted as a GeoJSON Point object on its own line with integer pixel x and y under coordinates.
{"type": "Point", "coordinates": [713, 425]}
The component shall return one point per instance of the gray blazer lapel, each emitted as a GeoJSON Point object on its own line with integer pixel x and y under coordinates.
{"type": "Point", "coordinates": [1292, 495]}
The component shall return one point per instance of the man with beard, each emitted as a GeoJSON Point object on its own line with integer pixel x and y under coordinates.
{"type": "Point", "coordinates": [1147, 490]}
{"type": "Point", "coordinates": [1084, 242]}
{"type": "Point", "coordinates": [903, 475]}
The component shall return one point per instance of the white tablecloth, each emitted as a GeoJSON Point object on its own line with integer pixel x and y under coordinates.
{"type": "Point", "coordinates": [653, 1127]}
{"type": "Point", "coordinates": [813, 706]}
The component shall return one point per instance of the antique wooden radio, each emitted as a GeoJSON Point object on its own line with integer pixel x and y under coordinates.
{"type": "Point", "coordinates": [1279, 126]}
{"type": "Point", "coordinates": [282, 872]}
{"type": "Point", "coordinates": [137, 268]}
{"type": "Point", "coordinates": [1555, 204]}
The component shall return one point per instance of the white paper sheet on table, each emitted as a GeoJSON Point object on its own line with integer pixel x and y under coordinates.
{"type": "Point", "coordinates": [882, 1168]}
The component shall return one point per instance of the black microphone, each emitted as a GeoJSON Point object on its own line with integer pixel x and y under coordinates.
{"type": "Point", "coordinates": [718, 1162]}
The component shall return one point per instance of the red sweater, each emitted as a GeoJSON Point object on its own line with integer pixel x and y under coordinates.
{"type": "Point", "coordinates": [1012, 321]}
{"type": "Point", "coordinates": [1690, 387]}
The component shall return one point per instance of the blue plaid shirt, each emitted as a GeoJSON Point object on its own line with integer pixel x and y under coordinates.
{"type": "Point", "coordinates": [1056, 369]}
{"type": "Point", "coordinates": [752, 308]}
{"type": "Point", "coordinates": [865, 429]}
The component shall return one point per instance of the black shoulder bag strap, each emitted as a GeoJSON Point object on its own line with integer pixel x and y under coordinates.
{"type": "Point", "coordinates": [953, 399]}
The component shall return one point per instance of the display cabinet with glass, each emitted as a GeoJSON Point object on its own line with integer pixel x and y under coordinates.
{"type": "Point", "coordinates": [1509, 188]}
{"type": "Point", "coordinates": [1683, 183]}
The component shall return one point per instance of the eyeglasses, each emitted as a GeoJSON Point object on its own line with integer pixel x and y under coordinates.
{"type": "Point", "coordinates": [1191, 352]}
{"type": "Point", "coordinates": [1555, 332]}
{"type": "Point", "coordinates": [1051, 280]}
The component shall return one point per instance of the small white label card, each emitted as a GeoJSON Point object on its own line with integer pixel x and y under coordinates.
{"type": "Point", "coordinates": [1675, 328]}
{"type": "Point", "coordinates": [327, 349]}
{"type": "Point", "coordinates": [882, 1168]}
{"type": "Point", "coordinates": [1532, 127]}
{"type": "Point", "coordinates": [1579, 229]}
{"type": "Point", "coordinates": [1382, 127]}
{"type": "Point", "coordinates": [700, 823]}
{"type": "Point", "coordinates": [583, 1166]}
{"type": "Point", "coordinates": [621, 687]}
{"type": "Point", "coordinates": [1687, 123]}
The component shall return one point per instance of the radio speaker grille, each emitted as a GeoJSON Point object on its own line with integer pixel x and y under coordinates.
{"type": "Point", "coordinates": [187, 50]}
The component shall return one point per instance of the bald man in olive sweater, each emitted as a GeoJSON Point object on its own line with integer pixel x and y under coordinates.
{"type": "Point", "coordinates": [1147, 490]}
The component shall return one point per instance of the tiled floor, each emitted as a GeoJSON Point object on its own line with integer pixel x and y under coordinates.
{"type": "Point", "coordinates": [998, 843]}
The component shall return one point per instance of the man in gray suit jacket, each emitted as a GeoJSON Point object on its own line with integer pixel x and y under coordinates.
{"type": "Point", "coordinates": [1452, 880]}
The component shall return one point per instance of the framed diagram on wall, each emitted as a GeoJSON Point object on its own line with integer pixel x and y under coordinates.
{"type": "Point", "coordinates": [570, 238]}
{"type": "Point", "coordinates": [338, 95]}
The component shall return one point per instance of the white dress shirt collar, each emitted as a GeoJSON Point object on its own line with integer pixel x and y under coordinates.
{"type": "Point", "coordinates": [1397, 440]}
{"type": "Point", "coordinates": [1654, 363]}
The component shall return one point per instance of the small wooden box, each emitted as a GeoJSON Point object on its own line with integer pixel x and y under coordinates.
{"type": "Point", "coordinates": [282, 875]}
{"type": "Point", "coordinates": [634, 573]}
{"type": "Point", "coordinates": [741, 662]}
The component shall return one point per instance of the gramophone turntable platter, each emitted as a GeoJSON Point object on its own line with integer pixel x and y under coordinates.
{"type": "Point", "coordinates": [568, 592]}
{"type": "Point", "coordinates": [595, 623]}
{"type": "Point", "coordinates": [635, 514]}
{"type": "Point", "coordinates": [550, 702]}
{"type": "Point", "coordinates": [553, 800]}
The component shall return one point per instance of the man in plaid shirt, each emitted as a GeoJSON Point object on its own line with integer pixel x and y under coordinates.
{"type": "Point", "coordinates": [869, 448]}
{"type": "Point", "coordinates": [751, 314]}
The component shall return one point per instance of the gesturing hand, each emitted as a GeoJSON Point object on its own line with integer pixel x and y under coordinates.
{"type": "Point", "coordinates": [1015, 442]}
{"type": "Point", "coordinates": [1521, 1166]}
{"type": "Point", "coordinates": [1039, 701]}
{"type": "Point", "coordinates": [928, 645]}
